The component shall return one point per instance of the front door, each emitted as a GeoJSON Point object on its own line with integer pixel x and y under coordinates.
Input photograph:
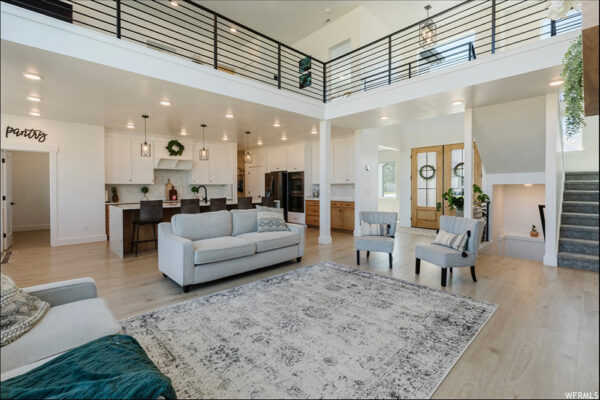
{"type": "Point", "coordinates": [426, 186]}
{"type": "Point", "coordinates": [7, 201]}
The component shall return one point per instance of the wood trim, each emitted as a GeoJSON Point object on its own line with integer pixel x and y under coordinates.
{"type": "Point", "coordinates": [415, 210]}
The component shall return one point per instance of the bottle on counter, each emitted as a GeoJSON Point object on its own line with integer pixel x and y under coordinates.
{"type": "Point", "coordinates": [168, 187]}
{"type": "Point", "coordinates": [172, 194]}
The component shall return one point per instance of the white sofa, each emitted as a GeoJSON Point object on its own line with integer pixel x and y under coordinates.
{"type": "Point", "coordinates": [76, 316]}
{"type": "Point", "coordinates": [197, 248]}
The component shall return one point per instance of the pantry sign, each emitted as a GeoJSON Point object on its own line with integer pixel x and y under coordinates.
{"type": "Point", "coordinates": [33, 134]}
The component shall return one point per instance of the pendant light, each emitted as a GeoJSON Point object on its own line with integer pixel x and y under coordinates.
{"type": "Point", "coordinates": [204, 150]}
{"type": "Point", "coordinates": [146, 148]}
{"type": "Point", "coordinates": [427, 31]}
{"type": "Point", "coordinates": [248, 155]}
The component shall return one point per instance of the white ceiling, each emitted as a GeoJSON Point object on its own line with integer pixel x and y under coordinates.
{"type": "Point", "coordinates": [78, 91]}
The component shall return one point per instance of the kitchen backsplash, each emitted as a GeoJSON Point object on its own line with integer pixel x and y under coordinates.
{"type": "Point", "coordinates": [179, 179]}
{"type": "Point", "coordinates": [338, 191]}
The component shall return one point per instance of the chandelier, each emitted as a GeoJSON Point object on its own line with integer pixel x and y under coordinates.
{"type": "Point", "coordinates": [427, 31]}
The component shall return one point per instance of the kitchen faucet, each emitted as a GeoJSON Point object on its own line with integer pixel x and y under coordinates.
{"type": "Point", "coordinates": [205, 198]}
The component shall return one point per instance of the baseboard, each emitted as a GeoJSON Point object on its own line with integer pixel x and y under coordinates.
{"type": "Point", "coordinates": [25, 228]}
{"type": "Point", "coordinates": [551, 261]}
{"type": "Point", "coordinates": [79, 240]}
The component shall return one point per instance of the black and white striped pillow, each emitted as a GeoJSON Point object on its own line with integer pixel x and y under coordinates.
{"type": "Point", "coordinates": [457, 242]}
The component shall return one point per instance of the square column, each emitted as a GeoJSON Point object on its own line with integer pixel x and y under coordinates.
{"type": "Point", "coordinates": [468, 166]}
{"type": "Point", "coordinates": [325, 182]}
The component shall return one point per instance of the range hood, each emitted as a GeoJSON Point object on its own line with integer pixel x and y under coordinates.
{"type": "Point", "coordinates": [173, 163]}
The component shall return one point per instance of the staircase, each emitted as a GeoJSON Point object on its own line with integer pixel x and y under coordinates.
{"type": "Point", "coordinates": [578, 243]}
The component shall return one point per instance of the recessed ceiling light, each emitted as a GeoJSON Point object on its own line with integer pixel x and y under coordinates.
{"type": "Point", "coordinates": [232, 30]}
{"type": "Point", "coordinates": [225, 137]}
{"type": "Point", "coordinates": [130, 126]}
{"type": "Point", "coordinates": [34, 113]}
{"type": "Point", "coordinates": [528, 184]}
{"type": "Point", "coordinates": [183, 132]}
{"type": "Point", "coordinates": [557, 82]}
{"type": "Point", "coordinates": [174, 3]}
{"type": "Point", "coordinates": [32, 76]}
{"type": "Point", "coordinates": [384, 117]}
{"type": "Point", "coordinates": [34, 99]}
{"type": "Point", "coordinates": [229, 115]}
{"type": "Point", "coordinates": [165, 103]}
{"type": "Point", "coordinates": [284, 137]}
{"type": "Point", "coordinates": [314, 132]}
{"type": "Point", "coordinates": [259, 142]}
{"type": "Point", "coordinates": [456, 102]}
{"type": "Point", "coordinates": [276, 124]}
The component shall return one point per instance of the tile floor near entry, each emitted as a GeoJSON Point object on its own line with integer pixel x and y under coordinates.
{"type": "Point", "coordinates": [541, 342]}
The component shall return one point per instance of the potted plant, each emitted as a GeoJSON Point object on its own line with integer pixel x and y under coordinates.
{"type": "Point", "coordinates": [534, 232]}
{"type": "Point", "coordinates": [115, 195]}
{"type": "Point", "coordinates": [195, 190]}
{"type": "Point", "coordinates": [145, 192]}
{"type": "Point", "coordinates": [481, 197]}
{"type": "Point", "coordinates": [455, 202]}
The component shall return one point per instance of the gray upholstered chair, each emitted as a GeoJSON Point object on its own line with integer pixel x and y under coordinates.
{"type": "Point", "coordinates": [446, 257]}
{"type": "Point", "coordinates": [384, 244]}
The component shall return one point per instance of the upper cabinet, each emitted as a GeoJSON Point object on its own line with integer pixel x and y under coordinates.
{"type": "Point", "coordinates": [218, 169]}
{"type": "Point", "coordinates": [292, 158]}
{"type": "Point", "coordinates": [295, 157]}
{"type": "Point", "coordinates": [277, 159]}
{"type": "Point", "coordinates": [124, 163]}
{"type": "Point", "coordinates": [343, 161]}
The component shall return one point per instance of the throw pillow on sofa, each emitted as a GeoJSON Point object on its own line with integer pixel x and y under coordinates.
{"type": "Point", "coordinates": [270, 219]}
{"type": "Point", "coordinates": [454, 241]}
{"type": "Point", "coordinates": [367, 229]}
{"type": "Point", "coordinates": [20, 311]}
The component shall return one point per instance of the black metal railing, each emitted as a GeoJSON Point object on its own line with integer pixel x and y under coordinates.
{"type": "Point", "coordinates": [465, 32]}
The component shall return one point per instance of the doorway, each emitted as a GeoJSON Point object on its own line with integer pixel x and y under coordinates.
{"type": "Point", "coordinates": [25, 199]}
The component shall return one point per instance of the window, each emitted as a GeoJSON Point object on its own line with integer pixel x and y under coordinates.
{"type": "Point", "coordinates": [387, 180]}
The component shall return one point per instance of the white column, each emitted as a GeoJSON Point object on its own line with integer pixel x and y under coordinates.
{"type": "Point", "coordinates": [554, 179]}
{"type": "Point", "coordinates": [468, 166]}
{"type": "Point", "coordinates": [325, 182]}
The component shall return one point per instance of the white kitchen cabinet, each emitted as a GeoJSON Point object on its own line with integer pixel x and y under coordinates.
{"type": "Point", "coordinates": [124, 163]}
{"type": "Point", "coordinates": [295, 157]}
{"type": "Point", "coordinates": [343, 161]}
{"type": "Point", "coordinates": [255, 181]}
{"type": "Point", "coordinates": [259, 158]}
{"type": "Point", "coordinates": [217, 170]}
{"type": "Point", "coordinates": [277, 159]}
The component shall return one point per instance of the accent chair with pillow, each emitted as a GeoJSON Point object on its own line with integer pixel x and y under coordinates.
{"type": "Point", "coordinates": [197, 248]}
{"type": "Point", "coordinates": [456, 245]}
{"type": "Point", "coordinates": [377, 230]}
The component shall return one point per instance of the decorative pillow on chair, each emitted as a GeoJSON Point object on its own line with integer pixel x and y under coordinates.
{"type": "Point", "coordinates": [367, 229]}
{"type": "Point", "coordinates": [455, 241]}
{"type": "Point", "coordinates": [270, 219]}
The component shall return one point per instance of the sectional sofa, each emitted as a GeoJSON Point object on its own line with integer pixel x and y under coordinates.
{"type": "Point", "coordinates": [197, 248]}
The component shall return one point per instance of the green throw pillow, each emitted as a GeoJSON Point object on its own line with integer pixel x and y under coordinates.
{"type": "Point", "coordinates": [270, 219]}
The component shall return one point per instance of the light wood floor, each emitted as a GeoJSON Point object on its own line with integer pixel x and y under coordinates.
{"type": "Point", "coordinates": [541, 342]}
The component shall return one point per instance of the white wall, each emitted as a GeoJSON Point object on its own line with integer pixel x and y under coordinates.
{"type": "Point", "coordinates": [365, 187]}
{"type": "Point", "coordinates": [79, 175]}
{"type": "Point", "coordinates": [586, 159]}
{"type": "Point", "coordinates": [390, 204]}
{"type": "Point", "coordinates": [31, 191]}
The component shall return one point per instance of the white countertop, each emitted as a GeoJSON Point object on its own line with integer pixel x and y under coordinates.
{"type": "Point", "coordinates": [167, 204]}
{"type": "Point", "coordinates": [333, 198]}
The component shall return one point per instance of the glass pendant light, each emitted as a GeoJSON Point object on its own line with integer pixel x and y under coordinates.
{"type": "Point", "coordinates": [204, 150]}
{"type": "Point", "coordinates": [427, 31]}
{"type": "Point", "coordinates": [248, 155]}
{"type": "Point", "coordinates": [146, 148]}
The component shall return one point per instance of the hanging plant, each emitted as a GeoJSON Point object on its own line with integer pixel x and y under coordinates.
{"type": "Point", "coordinates": [573, 97]}
{"type": "Point", "coordinates": [175, 148]}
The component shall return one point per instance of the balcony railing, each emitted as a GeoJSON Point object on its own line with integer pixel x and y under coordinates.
{"type": "Point", "coordinates": [465, 32]}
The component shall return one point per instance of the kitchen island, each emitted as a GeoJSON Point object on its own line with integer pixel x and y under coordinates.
{"type": "Point", "coordinates": [122, 215]}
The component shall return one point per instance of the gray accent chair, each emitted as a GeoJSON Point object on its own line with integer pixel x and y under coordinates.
{"type": "Point", "coordinates": [446, 257]}
{"type": "Point", "coordinates": [384, 244]}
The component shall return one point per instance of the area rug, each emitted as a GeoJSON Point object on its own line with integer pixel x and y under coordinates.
{"type": "Point", "coordinates": [417, 231]}
{"type": "Point", "coordinates": [324, 331]}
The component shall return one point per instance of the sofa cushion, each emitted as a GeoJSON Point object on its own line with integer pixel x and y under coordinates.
{"type": "Point", "coordinates": [266, 241]}
{"type": "Point", "coordinates": [62, 328]}
{"type": "Point", "coordinates": [443, 256]}
{"type": "Point", "coordinates": [211, 250]}
{"type": "Point", "coordinates": [244, 221]}
{"type": "Point", "coordinates": [202, 225]}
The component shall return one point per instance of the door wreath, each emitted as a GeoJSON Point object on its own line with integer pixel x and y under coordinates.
{"type": "Point", "coordinates": [175, 148]}
{"type": "Point", "coordinates": [427, 172]}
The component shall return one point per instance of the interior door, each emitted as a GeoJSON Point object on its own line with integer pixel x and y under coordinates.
{"type": "Point", "coordinates": [454, 170]}
{"type": "Point", "coordinates": [7, 201]}
{"type": "Point", "coordinates": [426, 186]}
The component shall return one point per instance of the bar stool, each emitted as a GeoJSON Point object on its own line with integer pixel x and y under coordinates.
{"type": "Point", "coordinates": [151, 212]}
{"type": "Point", "coordinates": [190, 206]}
{"type": "Point", "coordinates": [244, 203]}
{"type": "Point", "coordinates": [267, 202]}
{"type": "Point", "coordinates": [218, 204]}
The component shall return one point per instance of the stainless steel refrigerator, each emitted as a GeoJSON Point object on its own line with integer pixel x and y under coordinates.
{"type": "Point", "coordinates": [276, 187]}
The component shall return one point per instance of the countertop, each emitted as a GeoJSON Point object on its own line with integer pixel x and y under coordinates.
{"type": "Point", "coordinates": [167, 204]}
{"type": "Point", "coordinates": [332, 199]}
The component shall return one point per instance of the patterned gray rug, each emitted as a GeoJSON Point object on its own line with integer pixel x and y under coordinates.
{"type": "Point", "coordinates": [324, 331]}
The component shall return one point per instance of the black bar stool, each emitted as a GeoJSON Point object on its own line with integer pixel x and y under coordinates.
{"type": "Point", "coordinates": [244, 203]}
{"type": "Point", "coordinates": [151, 212]}
{"type": "Point", "coordinates": [190, 206]}
{"type": "Point", "coordinates": [218, 204]}
{"type": "Point", "coordinates": [267, 202]}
